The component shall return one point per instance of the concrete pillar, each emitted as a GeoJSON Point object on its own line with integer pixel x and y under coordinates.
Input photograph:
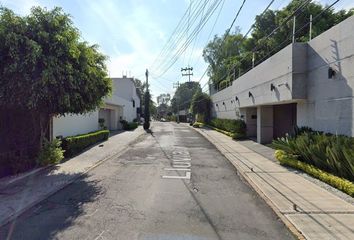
{"type": "Point", "coordinates": [264, 124]}
{"type": "Point", "coordinates": [250, 117]}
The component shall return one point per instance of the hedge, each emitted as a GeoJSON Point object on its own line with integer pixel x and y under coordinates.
{"type": "Point", "coordinates": [129, 125]}
{"type": "Point", "coordinates": [337, 182]}
{"type": "Point", "coordinates": [76, 144]}
{"type": "Point", "coordinates": [235, 128]}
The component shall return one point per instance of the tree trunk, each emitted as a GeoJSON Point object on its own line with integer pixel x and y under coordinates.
{"type": "Point", "coordinates": [44, 120]}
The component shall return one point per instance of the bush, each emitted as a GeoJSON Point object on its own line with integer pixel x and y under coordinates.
{"type": "Point", "coordinates": [236, 127]}
{"type": "Point", "coordinates": [197, 124]}
{"type": "Point", "coordinates": [330, 153]}
{"type": "Point", "coordinates": [75, 144]}
{"type": "Point", "coordinates": [51, 153]}
{"type": "Point", "coordinates": [337, 182]}
{"type": "Point", "coordinates": [101, 123]}
{"type": "Point", "coordinates": [130, 126]}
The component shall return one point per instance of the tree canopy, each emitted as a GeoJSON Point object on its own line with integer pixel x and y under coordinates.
{"type": "Point", "coordinates": [45, 67]}
{"type": "Point", "coordinates": [183, 96]}
{"type": "Point", "coordinates": [230, 55]}
{"type": "Point", "coordinates": [201, 104]}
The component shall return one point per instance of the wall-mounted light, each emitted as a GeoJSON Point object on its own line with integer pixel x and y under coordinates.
{"type": "Point", "coordinates": [250, 94]}
{"type": "Point", "coordinates": [331, 72]}
{"type": "Point", "coordinates": [223, 103]}
{"type": "Point", "coordinates": [216, 104]}
{"type": "Point", "coordinates": [236, 99]}
{"type": "Point", "coordinates": [272, 87]}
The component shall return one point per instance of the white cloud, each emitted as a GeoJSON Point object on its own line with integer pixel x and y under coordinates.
{"type": "Point", "coordinates": [21, 7]}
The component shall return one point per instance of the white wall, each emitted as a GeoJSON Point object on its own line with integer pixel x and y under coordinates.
{"type": "Point", "coordinates": [75, 124]}
{"type": "Point", "coordinates": [329, 105]}
{"type": "Point", "coordinates": [125, 88]}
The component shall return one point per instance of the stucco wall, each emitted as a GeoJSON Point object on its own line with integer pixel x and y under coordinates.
{"type": "Point", "coordinates": [125, 88]}
{"type": "Point", "coordinates": [286, 70]}
{"type": "Point", "coordinates": [322, 103]}
{"type": "Point", "coordinates": [329, 105]}
{"type": "Point", "coordinates": [75, 124]}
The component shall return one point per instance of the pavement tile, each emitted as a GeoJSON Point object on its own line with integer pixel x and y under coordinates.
{"type": "Point", "coordinates": [324, 226]}
{"type": "Point", "coordinates": [284, 189]}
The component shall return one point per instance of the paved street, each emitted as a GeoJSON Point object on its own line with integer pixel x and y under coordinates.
{"type": "Point", "coordinates": [138, 195]}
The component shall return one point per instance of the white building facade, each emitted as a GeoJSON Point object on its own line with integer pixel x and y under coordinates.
{"type": "Point", "coordinates": [304, 84]}
{"type": "Point", "coordinates": [124, 104]}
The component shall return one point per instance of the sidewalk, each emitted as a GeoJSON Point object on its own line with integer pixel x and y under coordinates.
{"type": "Point", "coordinates": [21, 195]}
{"type": "Point", "coordinates": [307, 209]}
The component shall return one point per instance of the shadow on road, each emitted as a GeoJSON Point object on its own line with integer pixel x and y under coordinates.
{"type": "Point", "coordinates": [57, 213]}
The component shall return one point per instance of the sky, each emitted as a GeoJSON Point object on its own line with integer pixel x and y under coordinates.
{"type": "Point", "coordinates": [132, 33]}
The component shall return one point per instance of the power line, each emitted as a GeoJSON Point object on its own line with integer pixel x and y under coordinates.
{"type": "Point", "coordinates": [177, 34]}
{"type": "Point", "coordinates": [165, 67]}
{"type": "Point", "coordinates": [303, 5]}
{"type": "Point", "coordinates": [233, 22]}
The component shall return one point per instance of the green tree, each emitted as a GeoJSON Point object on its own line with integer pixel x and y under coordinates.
{"type": "Point", "coordinates": [147, 106]}
{"type": "Point", "coordinates": [230, 55]}
{"type": "Point", "coordinates": [46, 69]}
{"type": "Point", "coordinates": [201, 105]}
{"type": "Point", "coordinates": [183, 96]}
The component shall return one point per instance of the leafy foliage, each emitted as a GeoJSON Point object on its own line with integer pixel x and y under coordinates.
{"type": "Point", "coordinates": [75, 144]}
{"type": "Point", "coordinates": [230, 55]}
{"type": "Point", "coordinates": [201, 105]}
{"type": "Point", "coordinates": [331, 153]}
{"type": "Point", "coordinates": [147, 100]}
{"type": "Point", "coordinates": [337, 182]}
{"type": "Point", "coordinates": [129, 125]}
{"type": "Point", "coordinates": [51, 153]}
{"type": "Point", "coordinates": [183, 95]}
{"type": "Point", "coordinates": [46, 69]}
{"type": "Point", "coordinates": [236, 127]}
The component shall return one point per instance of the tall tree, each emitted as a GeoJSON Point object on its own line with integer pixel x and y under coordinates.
{"type": "Point", "coordinates": [46, 69]}
{"type": "Point", "coordinates": [231, 55]}
{"type": "Point", "coordinates": [183, 96]}
{"type": "Point", "coordinates": [201, 105]}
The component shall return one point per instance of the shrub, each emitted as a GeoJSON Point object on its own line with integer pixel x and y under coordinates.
{"type": "Point", "coordinates": [51, 153]}
{"type": "Point", "coordinates": [197, 124]}
{"type": "Point", "coordinates": [236, 127]}
{"type": "Point", "coordinates": [75, 144]}
{"type": "Point", "coordinates": [101, 123]}
{"type": "Point", "coordinates": [331, 153]}
{"type": "Point", "coordinates": [337, 182]}
{"type": "Point", "coordinates": [130, 126]}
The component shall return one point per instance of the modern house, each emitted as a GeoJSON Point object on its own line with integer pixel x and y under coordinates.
{"type": "Point", "coordinates": [305, 84]}
{"type": "Point", "coordinates": [124, 104]}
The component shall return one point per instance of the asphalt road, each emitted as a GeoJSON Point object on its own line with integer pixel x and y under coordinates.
{"type": "Point", "coordinates": [138, 196]}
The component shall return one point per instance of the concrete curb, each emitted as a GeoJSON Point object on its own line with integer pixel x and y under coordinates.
{"type": "Point", "coordinates": [69, 182]}
{"type": "Point", "coordinates": [282, 217]}
{"type": "Point", "coordinates": [6, 181]}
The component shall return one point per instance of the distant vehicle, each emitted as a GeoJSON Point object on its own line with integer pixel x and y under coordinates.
{"type": "Point", "coordinates": [162, 120]}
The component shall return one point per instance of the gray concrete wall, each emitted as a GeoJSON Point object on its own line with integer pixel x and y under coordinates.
{"type": "Point", "coordinates": [285, 70]}
{"type": "Point", "coordinates": [300, 74]}
{"type": "Point", "coordinates": [329, 105]}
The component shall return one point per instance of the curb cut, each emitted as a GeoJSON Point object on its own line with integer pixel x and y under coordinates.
{"type": "Point", "coordinates": [239, 172]}
{"type": "Point", "coordinates": [69, 182]}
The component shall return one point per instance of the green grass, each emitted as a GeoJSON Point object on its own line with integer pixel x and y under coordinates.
{"type": "Point", "coordinates": [340, 183]}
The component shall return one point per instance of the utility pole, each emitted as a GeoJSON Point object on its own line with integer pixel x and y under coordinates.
{"type": "Point", "coordinates": [310, 27]}
{"type": "Point", "coordinates": [189, 74]}
{"type": "Point", "coordinates": [176, 85]}
{"type": "Point", "coordinates": [147, 103]}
